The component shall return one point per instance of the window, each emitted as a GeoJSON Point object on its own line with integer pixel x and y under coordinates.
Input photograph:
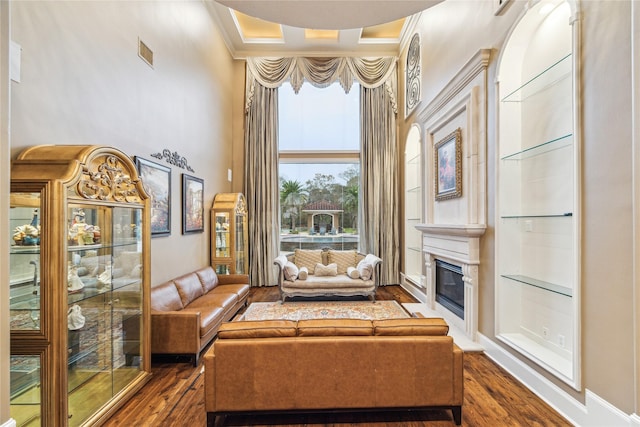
{"type": "Point", "coordinates": [319, 136]}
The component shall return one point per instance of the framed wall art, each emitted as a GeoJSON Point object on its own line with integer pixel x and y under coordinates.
{"type": "Point", "coordinates": [192, 204]}
{"type": "Point", "coordinates": [156, 180]}
{"type": "Point", "coordinates": [448, 166]}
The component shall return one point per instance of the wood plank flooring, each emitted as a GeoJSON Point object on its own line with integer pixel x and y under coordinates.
{"type": "Point", "coordinates": [175, 397]}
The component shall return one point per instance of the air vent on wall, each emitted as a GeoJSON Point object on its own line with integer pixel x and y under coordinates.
{"type": "Point", "coordinates": [145, 53]}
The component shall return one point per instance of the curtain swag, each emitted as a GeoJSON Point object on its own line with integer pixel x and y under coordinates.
{"type": "Point", "coordinates": [322, 72]}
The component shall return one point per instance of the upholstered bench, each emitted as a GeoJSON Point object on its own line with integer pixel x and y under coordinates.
{"type": "Point", "coordinates": [187, 311]}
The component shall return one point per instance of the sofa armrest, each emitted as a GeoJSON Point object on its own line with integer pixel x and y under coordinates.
{"type": "Point", "coordinates": [280, 262]}
{"type": "Point", "coordinates": [233, 279]}
{"type": "Point", "coordinates": [209, 382]}
{"type": "Point", "coordinates": [175, 332]}
{"type": "Point", "coordinates": [376, 263]}
{"type": "Point", "coordinates": [458, 374]}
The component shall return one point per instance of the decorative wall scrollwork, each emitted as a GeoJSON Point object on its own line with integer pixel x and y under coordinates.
{"type": "Point", "coordinates": [173, 159]}
{"type": "Point", "coordinates": [107, 179]}
{"type": "Point", "coordinates": [413, 75]}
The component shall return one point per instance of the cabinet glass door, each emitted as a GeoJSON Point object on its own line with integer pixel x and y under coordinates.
{"type": "Point", "coordinates": [24, 262]}
{"type": "Point", "coordinates": [104, 304]}
{"type": "Point", "coordinates": [240, 244]}
{"type": "Point", "coordinates": [223, 241]}
{"type": "Point", "coordinates": [26, 407]}
{"type": "Point", "coordinates": [25, 306]}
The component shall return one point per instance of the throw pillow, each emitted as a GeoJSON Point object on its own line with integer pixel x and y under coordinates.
{"type": "Point", "coordinates": [290, 271]}
{"type": "Point", "coordinates": [326, 270]}
{"type": "Point", "coordinates": [302, 274]}
{"type": "Point", "coordinates": [307, 258]}
{"type": "Point", "coordinates": [353, 272]}
{"type": "Point", "coordinates": [344, 259]}
{"type": "Point", "coordinates": [365, 269]}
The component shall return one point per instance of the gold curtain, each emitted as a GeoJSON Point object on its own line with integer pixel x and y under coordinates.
{"type": "Point", "coordinates": [379, 229]}
{"type": "Point", "coordinates": [261, 185]}
{"type": "Point", "coordinates": [379, 200]}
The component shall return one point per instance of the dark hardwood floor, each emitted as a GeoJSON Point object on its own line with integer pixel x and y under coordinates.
{"type": "Point", "coordinates": [492, 397]}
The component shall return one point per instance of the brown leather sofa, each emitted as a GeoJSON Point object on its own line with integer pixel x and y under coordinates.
{"type": "Point", "coordinates": [187, 311]}
{"type": "Point", "coordinates": [333, 364]}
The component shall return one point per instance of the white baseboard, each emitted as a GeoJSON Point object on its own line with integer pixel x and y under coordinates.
{"type": "Point", "coordinates": [9, 423]}
{"type": "Point", "coordinates": [420, 296]}
{"type": "Point", "coordinates": [594, 412]}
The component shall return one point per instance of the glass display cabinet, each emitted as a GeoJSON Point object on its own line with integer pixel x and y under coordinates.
{"type": "Point", "coordinates": [79, 285]}
{"type": "Point", "coordinates": [229, 234]}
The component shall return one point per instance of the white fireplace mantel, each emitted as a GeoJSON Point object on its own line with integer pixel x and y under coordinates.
{"type": "Point", "coordinates": [459, 244]}
{"type": "Point", "coordinates": [466, 230]}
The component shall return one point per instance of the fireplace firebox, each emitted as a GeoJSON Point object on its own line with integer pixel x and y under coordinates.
{"type": "Point", "coordinates": [450, 287]}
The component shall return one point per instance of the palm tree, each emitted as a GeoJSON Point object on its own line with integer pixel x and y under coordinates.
{"type": "Point", "coordinates": [292, 196]}
{"type": "Point", "coordinates": [350, 203]}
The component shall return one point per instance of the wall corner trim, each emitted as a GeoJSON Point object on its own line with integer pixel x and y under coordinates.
{"type": "Point", "coordinates": [594, 412]}
{"type": "Point", "coordinates": [478, 63]}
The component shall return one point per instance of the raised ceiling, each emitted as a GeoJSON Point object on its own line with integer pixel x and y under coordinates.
{"type": "Point", "coordinates": [315, 28]}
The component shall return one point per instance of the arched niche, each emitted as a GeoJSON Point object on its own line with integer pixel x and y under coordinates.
{"type": "Point", "coordinates": [538, 197]}
{"type": "Point", "coordinates": [414, 207]}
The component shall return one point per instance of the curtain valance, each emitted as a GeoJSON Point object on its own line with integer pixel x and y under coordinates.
{"type": "Point", "coordinates": [321, 72]}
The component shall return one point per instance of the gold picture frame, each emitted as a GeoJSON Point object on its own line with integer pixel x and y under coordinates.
{"type": "Point", "coordinates": [448, 166]}
{"type": "Point", "coordinates": [192, 204]}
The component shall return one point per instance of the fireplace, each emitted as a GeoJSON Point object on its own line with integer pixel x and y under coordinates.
{"type": "Point", "coordinates": [456, 247]}
{"type": "Point", "coordinates": [450, 287]}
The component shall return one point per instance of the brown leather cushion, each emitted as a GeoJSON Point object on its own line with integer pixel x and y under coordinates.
{"type": "Point", "coordinates": [189, 287]}
{"type": "Point", "coordinates": [334, 327]}
{"type": "Point", "coordinates": [240, 290]}
{"type": "Point", "coordinates": [258, 329]}
{"type": "Point", "coordinates": [411, 326]}
{"type": "Point", "coordinates": [210, 317]}
{"type": "Point", "coordinates": [208, 278]}
{"type": "Point", "coordinates": [215, 299]}
{"type": "Point", "coordinates": [165, 297]}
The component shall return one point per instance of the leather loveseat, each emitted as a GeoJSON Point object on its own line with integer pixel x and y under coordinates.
{"type": "Point", "coordinates": [187, 311]}
{"type": "Point", "coordinates": [333, 364]}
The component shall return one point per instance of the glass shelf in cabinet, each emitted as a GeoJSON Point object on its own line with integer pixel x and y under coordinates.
{"type": "Point", "coordinates": [545, 147]}
{"type": "Point", "coordinates": [86, 293]}
{"type": "Point", "coordinates": [24, 249]}
{"type": "Point", "coordinates": [548, 77]}
{"type": "Point", "coordinates": [414, 160]}
{"type": "Point", "coordinates": [541, 284]}
{"type": "Point", "coordinates": [119, 244]}
{"type": "Point", "coordinates": [561, 215]}
{"type": "Point", "coordinates": [414, 220]}
{"type": "Point", "coordinates": [80, 377]}
{"type": "Point", "coordinates": [414, 248]}
{"type": "Point", "coordinates": [414, 189]}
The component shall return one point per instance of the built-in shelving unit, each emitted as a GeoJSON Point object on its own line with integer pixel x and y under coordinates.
{"type": "Point", "coordinates": [537, 263]}
{"type": "Point", "coordinates": [413, 257]}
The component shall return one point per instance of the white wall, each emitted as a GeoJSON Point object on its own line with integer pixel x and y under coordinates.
{"type": "Point", "coordinates": [451, 33]}
{"type": "Point", "coordinates": [83, 83]}
{"type": "Point", "coordinates": [4, 212]}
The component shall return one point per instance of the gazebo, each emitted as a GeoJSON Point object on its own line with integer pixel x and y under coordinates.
{"type": "Point", "coordinates": [322, 207]}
